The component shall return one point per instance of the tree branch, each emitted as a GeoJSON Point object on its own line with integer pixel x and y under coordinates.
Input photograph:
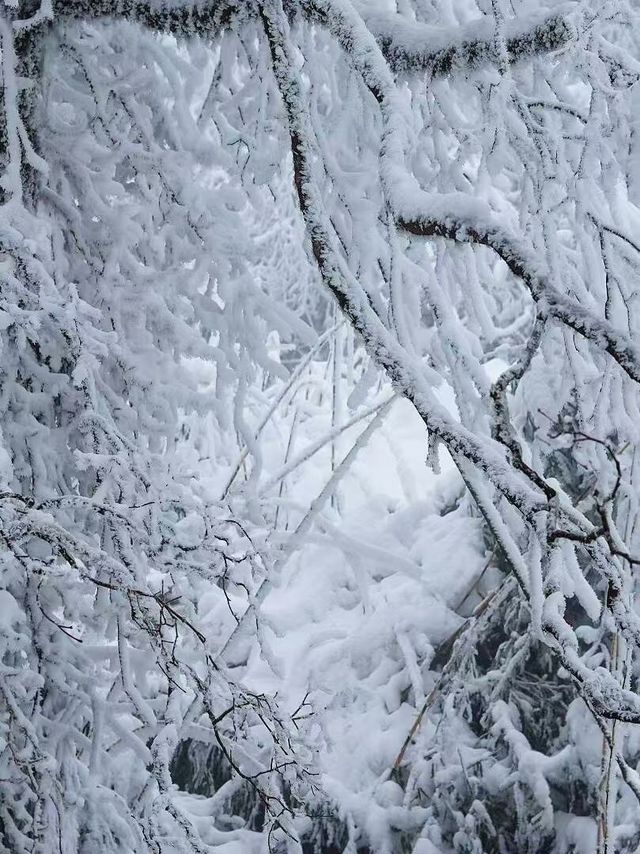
{"type": "Point", "coordinates": [410, 46]}
{"type": "Point", "coordinates": [407, 45]}
{"type": "Point", "coordinates": [406, 373]}
{"type": "Point", "coordinates": [178, 17]}
{"type": "Point", "coordinates": [606, 696]}
{"type": "Point", "coordinates": [550, 302]}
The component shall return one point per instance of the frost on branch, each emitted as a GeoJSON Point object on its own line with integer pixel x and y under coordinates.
{"type": "Point", "coordinates": [410, 46]}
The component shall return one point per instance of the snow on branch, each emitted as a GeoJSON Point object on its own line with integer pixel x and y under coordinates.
{"type": "Point", "coordinates": [412, 46]}
{"type": "Point", "coordinates": [407, 45]}
{"type": "Point", "coordinates": [201, 18]}
{"type": "Point", "coordinates": [551, 303]}
{"type": "Point", "coordinates": [407, 374]}
{"type": "Point", "coordinates": [473, 454]}
{"type": "Point", "coordinates": [456, 217]}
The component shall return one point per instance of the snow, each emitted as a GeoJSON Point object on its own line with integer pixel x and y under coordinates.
{"type": "Point", "coordinates": [318, 427]}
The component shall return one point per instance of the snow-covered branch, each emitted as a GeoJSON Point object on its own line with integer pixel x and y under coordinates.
{"type": "Point", "coordinates": [550, 302]}
{"type": "Point", "coordinates": [406, 374]}
{"type": "Point", "coordinates": [407, 45]}
{"type": "Point", "coordinates": [410, 46]}
{"type": "Point", "coordinates": [204, 18]}
{"type": "Point", "coordinates": [606, 696]}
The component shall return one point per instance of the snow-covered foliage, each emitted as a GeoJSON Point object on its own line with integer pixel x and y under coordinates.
{"type": "Point", "coordinates": [318, 426]}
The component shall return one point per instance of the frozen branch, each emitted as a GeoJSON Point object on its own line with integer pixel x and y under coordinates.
{"type": "Point", "coordinates": [406, 374]}
{"type": "Point", "coordinates": [412, 46]}
{"type": "Point", "coordinates": [473, 455]}
{"type": "Point", "coordinates": [201, 18]}
{"type": "Point", "coordinates": [455, 217]}
{"type": "Point", "coordinates": [550, 302]}
{"type": "Point", "coordinates": [407, 45]}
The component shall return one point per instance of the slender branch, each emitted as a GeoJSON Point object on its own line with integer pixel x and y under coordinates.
{"type": "Point", "coordinates": [502, 427]}
{"type": "Point", "coordinates": [463, 638]}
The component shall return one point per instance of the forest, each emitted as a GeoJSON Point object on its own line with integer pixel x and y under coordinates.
{"type": "Point", "coordinates": [319, 426]}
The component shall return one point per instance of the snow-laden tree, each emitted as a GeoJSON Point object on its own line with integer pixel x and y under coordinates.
{"type": "Point", "coordinates": [206, 204]}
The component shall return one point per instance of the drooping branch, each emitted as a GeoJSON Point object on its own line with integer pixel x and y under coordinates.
{"type": "Point", "coordinates": [455, 217]}
{"type": "Point", "coordinates": [606, 696]}
{"type": "Point", "coordinates": [503, 429]}
{"type": "Point", "coordinates": [407, 373]}
{"type": "Point", "coordinates": [484, 456]}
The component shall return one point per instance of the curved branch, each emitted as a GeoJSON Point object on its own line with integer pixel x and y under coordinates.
{"type": "Point", "coordinates": [606, 696]}
{"type": "Point", "coordinates": [406, 373]}
{"type": "Point", "coordinates": [456, 217]}
{"type": "Point", "coordinates": [502, 427]}
{"type": "Point", "coordinates": [550, 302]}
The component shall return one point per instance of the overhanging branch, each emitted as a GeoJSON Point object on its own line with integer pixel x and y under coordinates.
{"type": "Point", "coordinates": [406, 373]}
{"type": "Point", "coordinates": [407, 45]}
{"type": "Point", "coordinates": [427, 215]}
{"type": "Point", "coordinates": [607, 697]}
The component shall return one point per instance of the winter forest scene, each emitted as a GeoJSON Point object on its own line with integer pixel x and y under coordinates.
{"type": "Point", "coordinates": [319, 426]}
